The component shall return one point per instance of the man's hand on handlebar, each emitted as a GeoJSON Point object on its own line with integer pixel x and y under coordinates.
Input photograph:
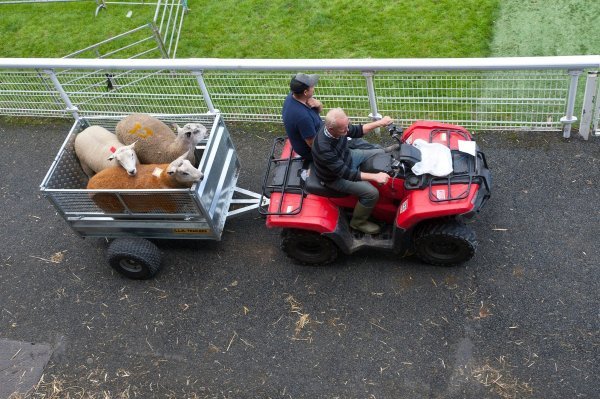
{"type": "Point", "coordinates": [379, 178]}
{"type": "Point", "coordinates": [386, 120]}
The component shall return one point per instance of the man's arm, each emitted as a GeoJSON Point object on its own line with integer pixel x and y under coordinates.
{"type": "Point", "coordinates": [379, 178]}
{"type": "Point", "coordinates": [386, 120]}
{"type": "Point", "coordinates": [307, 130]}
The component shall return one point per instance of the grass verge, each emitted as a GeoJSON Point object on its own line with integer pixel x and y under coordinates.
{"type": "Point", "coordinates": [265, 28]}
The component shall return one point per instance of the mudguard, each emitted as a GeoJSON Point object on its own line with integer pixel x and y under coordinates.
{"type": "Point", "coordinates": [418, 205]}
{"type": "Point", "coordinates": [316, 214]}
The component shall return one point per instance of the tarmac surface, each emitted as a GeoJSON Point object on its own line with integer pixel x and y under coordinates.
{"type": "Point", "coordinates": [238, 319]}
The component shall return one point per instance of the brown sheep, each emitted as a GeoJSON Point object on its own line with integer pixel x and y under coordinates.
{"type": "Point", "coordinates": [178, 174]}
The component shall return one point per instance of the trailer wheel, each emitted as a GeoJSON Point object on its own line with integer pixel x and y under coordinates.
{"type": "Point", "coordinates": [135, 258]}
{"type": "Point", "coordinates": [308, 247]}
{"type": "Point", "coordinates": [445, 243]}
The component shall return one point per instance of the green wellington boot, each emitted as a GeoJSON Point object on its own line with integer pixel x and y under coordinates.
{"type": "Point", "coordinates": [360, 220]}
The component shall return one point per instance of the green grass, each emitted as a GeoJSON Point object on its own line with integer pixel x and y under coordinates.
{"type": "Point", "coordinates": [266, 28]}
{"type": "Point", "coordinates": [546, 28]}
{"type": "Point", "coordinates": [58, 29]}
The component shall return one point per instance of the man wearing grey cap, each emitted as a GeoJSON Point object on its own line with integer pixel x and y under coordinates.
{"type": "Point", "coordinates": [301, 113]}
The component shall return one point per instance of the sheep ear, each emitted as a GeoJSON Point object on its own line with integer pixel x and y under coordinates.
{"type": "Point", "coordinates": [132, 144]}
{"type": "Point", "coordinates": [176, 128]}
{"type": "Point", "coordinates": [183, 157]}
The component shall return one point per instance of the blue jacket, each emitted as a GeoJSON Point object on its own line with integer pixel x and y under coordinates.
{"type": "Point", "coordinates": [301, 123]}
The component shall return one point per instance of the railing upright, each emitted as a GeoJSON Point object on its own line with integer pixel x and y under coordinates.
{"type": "Point", "coordinates": [374, 115]}
{"type": "Point", "coordinates": [63, 94]}
{"type": "Point", "coordinates": [569, 118]}
{"type": "Point", "coordinates": [587, 111]}
{"type": "Point", "coordinates": [596, 113]}
{"type": "Point", "coordinates": [209, 104]}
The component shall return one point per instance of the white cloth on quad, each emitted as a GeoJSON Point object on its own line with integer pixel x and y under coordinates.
{"type": "Point", "coordinates": [436, 159]}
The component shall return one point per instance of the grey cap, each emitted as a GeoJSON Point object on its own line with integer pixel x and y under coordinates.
{"type": "Point", "coordinates": [309, 80]}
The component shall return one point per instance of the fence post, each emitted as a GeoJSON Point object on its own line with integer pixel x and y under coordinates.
{"type": "Point", "coordinates": [63, 94]}
{"type": "Point", "coordinates": [596, 117]}
{"type": "Point", "coordinates": [587, 110]}
{"type": "Point", "coordinates": [569, 119]}
{"type": "Point", "coordinates": [204, 89]}
{"type": "Point", "coordinates": [374, 115]}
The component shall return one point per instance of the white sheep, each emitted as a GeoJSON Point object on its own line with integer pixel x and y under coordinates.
{"type": "Point", "coordinates": [97, 149]}
{"type": "Point", "coordinates": [156, 142]}
{"type": "Point", "coordinates": [178, 174]}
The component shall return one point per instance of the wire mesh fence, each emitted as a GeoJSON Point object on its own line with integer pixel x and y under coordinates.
{"type": "Point", "coordinates": [29, 93]}
{"type": "Point", "coordinates": [483, 100]}
{"type": "Point", "coordinates": [480, 100]}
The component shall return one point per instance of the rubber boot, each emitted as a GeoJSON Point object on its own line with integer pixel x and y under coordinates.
{"type": "Point", "coordinates": [360, 220]}
{"type": "Point", "coordinates": [393, 147]}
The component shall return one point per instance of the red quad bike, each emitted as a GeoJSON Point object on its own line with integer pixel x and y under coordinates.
{"type": "Point", "coordinates": [422, 214]}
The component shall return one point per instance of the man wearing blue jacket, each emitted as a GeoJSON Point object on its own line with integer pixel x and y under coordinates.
{"type": "Point", "coordinates": [301, 113]}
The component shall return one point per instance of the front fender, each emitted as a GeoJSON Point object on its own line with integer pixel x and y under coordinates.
{"type": "Point", "coordinates": [417, 206]}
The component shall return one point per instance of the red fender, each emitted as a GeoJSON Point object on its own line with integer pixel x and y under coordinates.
{"type": "Point", "coordinates": [317, 214]}
{"type": "Point", "coordinates": [417, 205]}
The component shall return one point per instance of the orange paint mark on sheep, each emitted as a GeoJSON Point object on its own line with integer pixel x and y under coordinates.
{"type": "Point", "coordinates": [141, 132]}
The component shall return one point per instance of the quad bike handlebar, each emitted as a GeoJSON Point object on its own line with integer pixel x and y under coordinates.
{"type": "Point", "coordinates": [395, 132]}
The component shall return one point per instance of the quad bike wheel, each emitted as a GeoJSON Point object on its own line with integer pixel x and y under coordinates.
{"type": "Point", "coordinates": [446, 243]}
{"type": "Point", "coordinates": [135, 258]}
{"type": "Point", "coordinates": [308, 247]}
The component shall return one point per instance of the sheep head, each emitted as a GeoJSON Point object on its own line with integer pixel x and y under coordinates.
{"type": "Point", "coordinates": [196, 132]}
{"type": "Point", "coordinates": [126, 157]}
{"type": "Point", "coordinates": [183, 171]}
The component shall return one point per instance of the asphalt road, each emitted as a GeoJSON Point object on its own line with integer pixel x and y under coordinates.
{"type": "Point", "coordinates": [237, 319]}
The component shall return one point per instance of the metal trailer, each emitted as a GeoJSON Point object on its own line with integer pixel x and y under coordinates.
{"type": "Point", "coordinates": [196, 213]}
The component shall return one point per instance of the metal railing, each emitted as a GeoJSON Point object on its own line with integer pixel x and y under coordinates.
{"type": "Point", "coordinates": [522, 93]}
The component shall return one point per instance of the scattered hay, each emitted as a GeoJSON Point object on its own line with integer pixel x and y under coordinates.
{"type": "Point", "coordinates": [501, 382]}
{"type": "Point", "coordinates": [55, 389]}
{"type": "Point", "coordinates": [303, 319]}
{"type": "Point", "coordinates": [57, 257]}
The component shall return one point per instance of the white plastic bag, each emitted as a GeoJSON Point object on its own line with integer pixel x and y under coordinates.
{"type": "Point", "coordinates": [436, 159]}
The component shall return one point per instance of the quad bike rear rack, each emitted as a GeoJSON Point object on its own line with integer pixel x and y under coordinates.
{"type": "Point", "coordinates": [282, 176]}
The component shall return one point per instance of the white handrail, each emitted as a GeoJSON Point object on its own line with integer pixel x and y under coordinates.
{"type": "Point", "coordinates": [368, 64]}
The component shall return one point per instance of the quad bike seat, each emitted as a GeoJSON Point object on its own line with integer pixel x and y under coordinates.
{"type": "Point", "coordinates": [315, 186]}
{"type": "Point", "coordinates": [408, 154]}
{"type": "Point", "coordinates": [401, 160]}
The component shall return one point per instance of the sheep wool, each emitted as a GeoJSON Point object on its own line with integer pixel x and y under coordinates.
{"type": "Point", "coordinates": [98, 149]}
{"type": "Point", "coordinates": [155, 141]}
{"type": "Point", "coordinates": [179, 174]}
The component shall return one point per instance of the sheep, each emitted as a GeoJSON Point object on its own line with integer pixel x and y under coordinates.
{"type": "Point", "coordinates": [157, 143]}
{"type": "Point", "coordinates": [178, 174]}
{"type": "Point", "coordinates": [97, 148]}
